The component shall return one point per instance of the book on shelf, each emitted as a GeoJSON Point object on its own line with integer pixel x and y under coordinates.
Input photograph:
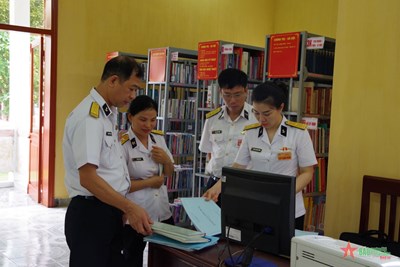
{"type": "Point", "coordinates": [178, 233]}
{"type": "Point", "coordinates": [244, 66]}
{"type": "Point", "coordinates": [294, 102]}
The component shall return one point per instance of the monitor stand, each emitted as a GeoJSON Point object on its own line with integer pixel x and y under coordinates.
{"type": "Point", "coordinates": [247, 260]}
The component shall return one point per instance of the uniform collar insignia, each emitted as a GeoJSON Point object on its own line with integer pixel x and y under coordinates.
{"type": "Point", "coordinates": [222, 114]}
{"type": "Point", "coordinates": [133, 142]}
{"type": "Point", "coordinates": [152, 139]}
{"type": "Point", "coordinates": [283, 130]}
{"type": "Point", "coordinates": [246, 114]}
{"type": "Point", "coordinates": [260, 132]}
{"type": "Point", "coordinates": [106, 109]}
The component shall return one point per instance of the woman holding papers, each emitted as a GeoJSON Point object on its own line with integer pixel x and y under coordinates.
{"type": "Point", "coordinates": [275, 145]}
{"type": "Point", "coordinates": [148, 160]}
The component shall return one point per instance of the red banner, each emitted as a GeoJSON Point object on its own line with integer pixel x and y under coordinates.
{"type": "Point", "coordinates": [207, 60]}
{"type": "Point", "coordinates": [283, 55]}
{"type": "Point", "coordinates": [158, 58]}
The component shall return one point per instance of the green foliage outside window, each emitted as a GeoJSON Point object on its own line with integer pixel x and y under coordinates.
{"type": "Point", "coordinates": [37, 21]}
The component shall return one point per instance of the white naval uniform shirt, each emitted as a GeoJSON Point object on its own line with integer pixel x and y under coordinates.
{"type": "Point", "coordinates": [88, 139]}
{"type": "Point", "coordinates": [222, 138]}
{"type": "Point", "coordinates": [141, 166]}
{"type": "Point", "coordinates": [263, 155]}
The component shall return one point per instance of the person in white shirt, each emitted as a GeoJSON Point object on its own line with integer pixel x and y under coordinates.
{"type": "Point", "coordinates": [96, 176]}
{"type": "Point", "coordinates": [221, 137]}
{"type": "Point", "coordinates": [149, 161]}
{"type": "Point", "coordinates": [275, 144]}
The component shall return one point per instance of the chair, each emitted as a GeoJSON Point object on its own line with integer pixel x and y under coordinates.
{"type": "Point", "coordinates": [385, 187]}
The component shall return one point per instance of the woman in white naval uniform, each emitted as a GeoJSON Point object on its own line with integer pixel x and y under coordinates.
{"type": "Point", "coordinates": [148, 160]}
{"type": "Point", "coordinates": [277, 145]}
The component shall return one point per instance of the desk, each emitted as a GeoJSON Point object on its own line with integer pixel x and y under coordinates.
{"type": "Point", "coordinates": [163, 256]}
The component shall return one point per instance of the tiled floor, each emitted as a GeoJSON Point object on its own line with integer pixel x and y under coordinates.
{"type": "Point", "coordinates": [31, 234]}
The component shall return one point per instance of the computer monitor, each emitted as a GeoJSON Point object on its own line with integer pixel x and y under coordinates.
{"type": "Point", "coordinates": [258, 208]}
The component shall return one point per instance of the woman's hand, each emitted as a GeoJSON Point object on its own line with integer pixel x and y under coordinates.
{"type": "Point", "coordinates": [159, 155]}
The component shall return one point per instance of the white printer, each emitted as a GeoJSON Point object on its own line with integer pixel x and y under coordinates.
{"type": "Point", "coordinates": [315, 250]}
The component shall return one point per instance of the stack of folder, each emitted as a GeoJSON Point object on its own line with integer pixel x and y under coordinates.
{"type": "Point", "coordinates": [179, 237]}
{"type": "Point", "coordinates": [205, 216]}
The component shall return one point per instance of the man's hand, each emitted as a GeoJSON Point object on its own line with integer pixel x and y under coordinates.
{"type": "Point", "coordinates": [213, 192]}
{"type": "Point", "coordinates": [139, 219]}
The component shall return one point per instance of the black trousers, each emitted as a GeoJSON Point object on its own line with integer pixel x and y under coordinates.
{"type": "Point", "coordinates": [134, 245]}
{"type": "Point", "coordinates": [210, 183]}
{"type": "Point", "coordinates": [299, 223]}
{"type": "Point", "coordinates": [93, 232]}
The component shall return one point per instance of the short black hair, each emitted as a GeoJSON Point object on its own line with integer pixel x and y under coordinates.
{"type": "Point", "coordinates": [270, 93]}
{"type": "Point", "coordinates": [123, 67]}
{"type": "Point", "coordinates": [229, 78]}
{"type": "Point", "coordinates": [140, 103]}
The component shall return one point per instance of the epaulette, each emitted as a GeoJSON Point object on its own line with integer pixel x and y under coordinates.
{"type": "Point", "coordinates": [213, 113]}
{"type": "Point", "coordinates": [159, 132]}
{"type": "Point", "coordinates": [297, 125]}
{"type": "Point", "coordinates": [94, 110]}
{"type": "Point", "coordinates": [124, 138]}
{"type": "Point", "coordinates": [251, 126]}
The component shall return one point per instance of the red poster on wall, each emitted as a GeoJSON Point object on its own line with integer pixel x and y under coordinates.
{"type": "Point", "coordinates": [207, 60]}
{"type": "Point", "coordinates": [111, 55]}
{"type": "Point", "coordinates": [283, 55]}
{"type": "Point", "coordinates": [158, 58]}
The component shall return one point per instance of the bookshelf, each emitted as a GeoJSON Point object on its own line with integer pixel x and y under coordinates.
{"type": "Point", "coordinates": [171, 80]}
{"type": "Point", "coordinates": [213, 57]}
{"type": "Point", "coordinates": [308, 71]}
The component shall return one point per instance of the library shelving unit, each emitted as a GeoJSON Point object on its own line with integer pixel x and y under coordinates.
{"type": "Point", "coordinates": [172, 81]}
{"type": "Point", "coordinates": [123, 123]}
{"type": "Point", "coordinates": [215, 56]}
{"type": "Point", "coordinates": [304, 61]}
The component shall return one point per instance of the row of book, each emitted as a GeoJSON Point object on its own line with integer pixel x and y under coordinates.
{"type": "Point", "coordinates": [178, 213]}
{"type": "Point", "coordinates": [122, 121]}
{"type": "Point", "coordinates": [180, 144]}
{"type": "Point", "coordinates": [315, 213]}
{"type": "Point", "coordinates": [184, 93]}
{"type": "Point", "coordinates": [179, 108]}
{"type": "Point", "coordinates": [318, 182]}
{"type": "Point", "coordinates": [320, 61]}
{"type": "Point", "coordinates": [182, 126]}
{"type": "Point", "coordinates": [250, 62]}
{"type": "Point", "coordinates": [184, 73]}
{"type": "Point", "coordinates": [320, 138]}
{"type": "Point", "coordinates": [317, 99]}
{"type": "Point", "coordinates": [180, 179]}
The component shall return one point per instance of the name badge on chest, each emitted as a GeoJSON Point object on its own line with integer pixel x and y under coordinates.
{"type": "Point", "coordinates": [137, 159]}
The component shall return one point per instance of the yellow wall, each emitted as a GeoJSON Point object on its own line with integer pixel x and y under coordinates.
{"type": "Point", "coordinates": [364, 128]}
{"type": "Point", "coordinates": [314, 16]}
{"type": "Point", "coordinates": [91, 28]}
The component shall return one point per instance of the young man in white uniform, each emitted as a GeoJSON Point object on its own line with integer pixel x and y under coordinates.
{"type": "Point", "coordinates": [221, 137]}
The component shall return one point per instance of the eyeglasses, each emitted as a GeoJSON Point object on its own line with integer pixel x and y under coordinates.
{"type": "Point", "coordinates": [232, 96]}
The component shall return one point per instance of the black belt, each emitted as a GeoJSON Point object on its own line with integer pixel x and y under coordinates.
{"type": "Point", "coordinates": [87, 197]}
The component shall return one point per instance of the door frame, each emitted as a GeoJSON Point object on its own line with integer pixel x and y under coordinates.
{"type": "Point", "coordinates": [36, 124]}
{"type": "Point", "coordinates": [47, 149]}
